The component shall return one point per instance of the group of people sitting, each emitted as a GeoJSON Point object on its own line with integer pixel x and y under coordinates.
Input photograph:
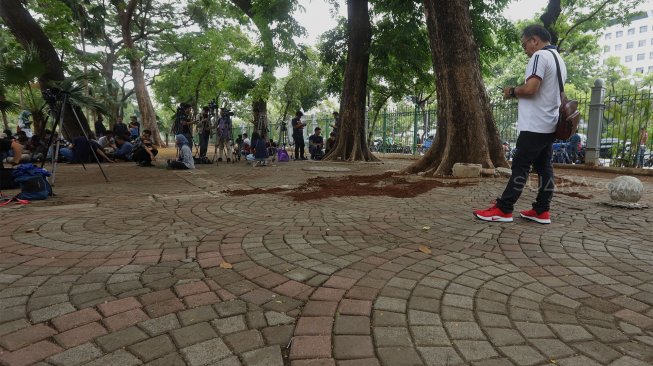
{"type": "Point", "coordinates": [111, 146]}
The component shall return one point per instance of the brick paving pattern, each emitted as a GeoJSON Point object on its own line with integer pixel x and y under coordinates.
{"type": "Point", "coordinates": [129, 273]}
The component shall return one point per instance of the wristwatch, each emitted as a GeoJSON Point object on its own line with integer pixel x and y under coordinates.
{"type": "Point", "coordinates": [511, 92]}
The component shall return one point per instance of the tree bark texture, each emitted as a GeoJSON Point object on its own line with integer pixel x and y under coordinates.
{"type": "Point", "coordinates": [260, 103]}
{"type": "Point", "coordinates": [351, 140]}
{"type": "Point", "coordinates": [27, 33]}
{"type": "Point", "coordinates": [553, 10]}
{"type": "Point", "coordinates": [148, 115]}
{"type": "Point", "coordinates": [5, 121]}
{"type": "Point", "coordinates": [466, 131]}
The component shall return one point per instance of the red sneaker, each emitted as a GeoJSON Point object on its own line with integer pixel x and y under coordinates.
{"type": "Point", "coordinates": [493, 214]}
{"type": "Point", "coordinates": [543, 218]}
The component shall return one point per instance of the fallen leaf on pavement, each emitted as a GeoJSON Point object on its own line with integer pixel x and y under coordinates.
{"type": "Point", "coordinates": [424, 249]}
{"type": "Point", "coordinates": [226, 265]}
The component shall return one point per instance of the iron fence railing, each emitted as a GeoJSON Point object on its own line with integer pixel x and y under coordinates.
{"type": "Point", "coordinates": [626, 124]}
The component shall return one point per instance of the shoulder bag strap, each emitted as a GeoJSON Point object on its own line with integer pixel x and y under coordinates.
{"type": "Point", "coordinates": [560, 84]}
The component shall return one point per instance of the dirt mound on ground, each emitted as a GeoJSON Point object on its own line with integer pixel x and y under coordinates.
{"type": "Point", "coordinates": [386, 184]}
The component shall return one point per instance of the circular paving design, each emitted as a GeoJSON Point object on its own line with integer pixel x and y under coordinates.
{"type": "Point", "coordinates": [188, 275]}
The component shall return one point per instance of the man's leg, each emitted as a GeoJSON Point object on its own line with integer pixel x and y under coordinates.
{"type": "Point", "coordinates": [204, 144]}
{"type": "Point", "coordinates": [297, 141]}
{"type": "Point", "coordinates": [227, 147]}
{"type": "Point", "coordinates": [301, 147]}
{"type": "Point", "coordinates": [220, 148]}
{"type": "Point", "coordinates": [521, 165]}
{"type": "Point", "coordinates": [544, 169]}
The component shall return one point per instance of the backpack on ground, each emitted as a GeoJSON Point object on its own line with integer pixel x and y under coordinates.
{"type": "Point", "coordinates": [32, 181]}
{"type": "Point", "coordinates": [282, 156]}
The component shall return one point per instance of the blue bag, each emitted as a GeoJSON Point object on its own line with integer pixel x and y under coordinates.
{"type": "Point", "coordinates": [33, 182]}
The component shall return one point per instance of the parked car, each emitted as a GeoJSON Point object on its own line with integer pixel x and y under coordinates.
{"type": "Point", "coordinates": [612, 147]}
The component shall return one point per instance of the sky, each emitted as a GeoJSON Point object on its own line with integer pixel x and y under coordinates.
{"type": "Point", "coordinates": [317, 18]}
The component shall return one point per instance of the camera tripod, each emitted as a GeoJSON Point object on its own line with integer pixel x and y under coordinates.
{"type": "Point", "coordinates": [58, 116]}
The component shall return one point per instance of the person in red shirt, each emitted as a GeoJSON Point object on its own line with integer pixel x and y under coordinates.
{"type": "Point", "coordinates": [643, 140]}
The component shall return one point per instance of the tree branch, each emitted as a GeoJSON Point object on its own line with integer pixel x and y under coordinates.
{"type": "Point", "coordinates": [586, 19]}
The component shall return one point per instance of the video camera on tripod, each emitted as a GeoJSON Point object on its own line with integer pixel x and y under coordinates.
{"type": "Point", "coordinates": [52, 96]}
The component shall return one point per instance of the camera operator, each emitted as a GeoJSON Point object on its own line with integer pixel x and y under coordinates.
{"type": "Point", "coordinates": [183, 122]}
{"type": "Point", "coordinates": [223, 134]}
{"type": "Point", "coordinates": [205, 131]}
{"type": "Point", "coordinates": [120, 128]}
{"type": "Point", "coordinates": [298, 135]}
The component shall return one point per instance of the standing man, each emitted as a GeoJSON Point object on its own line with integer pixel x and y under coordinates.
{"type": "Point", "coordinates": [539, 102]}
{"type": "Point", "coordinates": [205, 131]}
{"type": "Point", "coordinates": [223, 134]}
{"type": "Point", "coordinates": [643, 140]}
{"type": "Point", "coordinates": [100, 130]}
{"type": "Point", "coordinates": [336, 123]}
{"type": "Point", "coordinates": [298, 135]}
{"type": "Point", "coordinates": [120, 128]}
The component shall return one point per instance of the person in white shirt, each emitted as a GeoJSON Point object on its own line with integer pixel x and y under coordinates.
{"type": "Point", "coordinates": [538, 110]}
{"type": "Point", "coordinates": [24, 124]}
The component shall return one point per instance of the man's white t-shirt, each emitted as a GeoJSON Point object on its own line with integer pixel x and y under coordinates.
{"type": "Point", "coordinates": [539, 113]}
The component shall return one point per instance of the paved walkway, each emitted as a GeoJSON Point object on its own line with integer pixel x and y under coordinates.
{"type": "Point", "coordinates": [129, 273]}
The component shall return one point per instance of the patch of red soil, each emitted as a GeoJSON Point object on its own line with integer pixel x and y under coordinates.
{"type": "Point", "coordinates": [386, 184]}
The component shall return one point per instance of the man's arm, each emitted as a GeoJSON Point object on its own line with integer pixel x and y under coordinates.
{"type": "Point", "coordinates": [527, 90]}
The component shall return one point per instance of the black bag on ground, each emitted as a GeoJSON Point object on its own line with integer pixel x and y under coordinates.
{"type": "Point", "coordinates": [7, 180]}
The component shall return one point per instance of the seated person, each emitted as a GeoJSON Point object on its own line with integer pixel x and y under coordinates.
{"type": "Point", "coordinates": [7, 145]}
{"type": "Point", "coordinates": [36, 148]}
{"type": "Point", "coordinates": [330, 142]}
{"type": "Point", "coordinates": [315, 144]}
{"type": "Point", "coordinates": [133, 128]}
{"type": "Point", "coordinates": [79, 151]}
{"type": "Point", "coordinates": [123, 149]}
{"type": "Point", "coordinates": [246, 145]}
{"type": "Point", "coordinates": [259, 149]}
{"type": "Point", "coordinates": [107, 142]}
{"type": "Point", "coordinates": [144, 151]}
{"type": "Point", "coordinates": [185, 160]}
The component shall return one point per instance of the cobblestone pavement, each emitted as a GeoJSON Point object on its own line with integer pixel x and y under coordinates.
{"type": "Point", "coordinates": [128, 273]}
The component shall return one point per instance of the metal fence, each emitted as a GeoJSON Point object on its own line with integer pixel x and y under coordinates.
{"type": "Point", "coordinates": [407, 130]}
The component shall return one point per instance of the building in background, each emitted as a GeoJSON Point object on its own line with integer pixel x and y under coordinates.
{"type": "Point", "coordinates": [632, 44]}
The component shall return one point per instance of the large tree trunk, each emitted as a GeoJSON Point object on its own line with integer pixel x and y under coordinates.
{"type": "Point", "coordinates": [260, 103]}
{"type": "Point", "coordinates": [28, 33]}
{"type": "Point", "coordinates": [466, 132]}
{"type": "Point", "coordinates": [352, 143]}
{"type": "Point", "coordinates": [148, 115]}
{"type": "Point", "coordinates": [260, 111]}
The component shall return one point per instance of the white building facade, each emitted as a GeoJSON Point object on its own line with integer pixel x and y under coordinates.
{"type": "Point", "coordinates": [632, 43]}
